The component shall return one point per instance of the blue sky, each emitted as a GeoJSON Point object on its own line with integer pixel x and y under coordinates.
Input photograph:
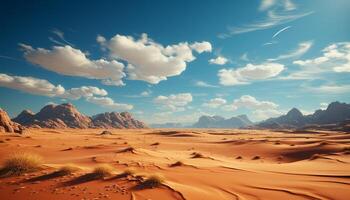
{"type": "Point", "coordinates": [172, 61]}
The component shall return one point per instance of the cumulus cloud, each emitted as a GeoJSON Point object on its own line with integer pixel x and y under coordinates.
{"type": "Point", "coordinates": [251, 102]}
{"type": "Point", "coordinates": [249, 73]}
{"type": "Point", "coordinates": [45, 88]}
{"type": "Point", "coordinates": [109, 103]}
{"type": "Point", "coordinates": [303, 47]}
{"type": "Point", "coordinates": [150, 61]}
{"type": "Point", "coordinates": [84, 91]}
{"type": "Point", "coordinates": [265, 114]}
{"type": "Point", "coordinates": [67, 60]}
{"type": "Point", "coordinates": [335, 58]}
{"type": "Point", "coordinates": [220, 60]}
{"type": "Point", "coordinates": [215, 103]}
{"type": "Point", "coordinates": [31, 85]}
{"type": "Point", "coordinates": [174, 102]}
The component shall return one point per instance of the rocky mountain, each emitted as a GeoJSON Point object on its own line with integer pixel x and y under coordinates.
{"type": "Point", "coordinates": [336, 114]}
{"type": "Point", "coordinates": [220, 122]}
{"type": "Point", "coordinates": [67, 116]}
{"type": "Point", "coordinates": [55, 116]}
{"type": "Point", "coordinates": [7, 125]}
{"type": "Point", "coordinates": [116, 120]}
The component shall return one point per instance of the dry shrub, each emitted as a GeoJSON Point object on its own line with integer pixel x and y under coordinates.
{"type": "Point", "coordinates": [20, 163]}
{"type": "Point", "coordinates": [103, 170]}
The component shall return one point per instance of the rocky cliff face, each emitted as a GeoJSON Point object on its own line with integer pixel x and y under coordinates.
{"type": "Point", "coordinates": [7, 125]}
{"type": "Point", "coordinates": [116, 120]}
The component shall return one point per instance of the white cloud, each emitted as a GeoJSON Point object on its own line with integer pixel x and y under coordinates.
{"type": "Point", "coordinates": [204, 84]}
{"type": "Point", "coordinates": [215, 103]}
{"type": "Point", "coordinates": [336, 56]}
{"type": "Point", "coordinates": [150, 61]}
{"type": "Point", "coordinates": [265, 114]}
{"type": "Point", "coordinates": [84, 91]}
{"type": "Point", "coordinates": [146, 93]}
{"type": "Point", "coordinates": [67, 60]}
{"type": "Point", "coordinates": [201, 47]}
{"type": "Point", "coordinates": [45, 88]}
{"type": "Point", "coordinates": [329, 89]}
{"type": "Point", "coordinates": [249, 73]}
{"type": "Point", "coordinates": [260, 109]}
{"type": "Point", "coordinates": [335, 59]}
{"type": "Point", "coordinates": [31, 85]}
{"type": "Point", "coordinates": [220, 60]}
{"type": "Point", "coordinates": [303, 47]}
{"type": "Point", "coordinates": [109, 103]}
{"type": "Point", "coordinates": [251, 102]}
{"type": "Point", "coordinates": [174, 102]}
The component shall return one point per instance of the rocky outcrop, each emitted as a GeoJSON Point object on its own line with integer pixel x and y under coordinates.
{"type": "Point", "coordinates": [7, 125]}
{"type": "Point", "coordinates": [220, 122]}
{"type": "Point", "coordinates": [67, 116]}
{"type": "Point", "coordinates": [116, 120]}
{"type": "Point", "coordinates": [55, 116]}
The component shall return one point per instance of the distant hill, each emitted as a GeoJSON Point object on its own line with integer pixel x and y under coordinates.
{"type": "Point", "coordinates": [220, 122]}
{"type": "Point", "coordinates": [336, 115]}
{"type": "Point", "coordinates": [116, 120]}
{"type": "Point", "coordinates": [67, 116]}
{"type": "Point", "coordinates": [168, 125]}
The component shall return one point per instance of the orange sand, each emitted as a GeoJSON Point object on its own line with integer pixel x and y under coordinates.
{"type": "Point", "coordinates": [285, 165]}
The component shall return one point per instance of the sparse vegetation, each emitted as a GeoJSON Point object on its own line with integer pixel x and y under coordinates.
{"type": "Point", "coordinates": [68, 169]}
{"type": "Point", "coordinates": [129, 172]}
{"type": "Point", "coordinates": [20, 163]}
{"type": "Point", "coordinates": [153, 181]}
{"type": "Point", "coordinates": [103, 170]}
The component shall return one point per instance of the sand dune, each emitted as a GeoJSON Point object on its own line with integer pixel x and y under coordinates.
{"type": "Point", "coordinates": [195, 164]}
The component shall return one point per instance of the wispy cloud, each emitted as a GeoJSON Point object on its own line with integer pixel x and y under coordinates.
{"type": "Point", "coordinates": [60, 35]}
{"type": "Point", "coordinates": [204, 84]}
{"type": "Point", "coordinates": [273, 19]}
{"type": "Point", "coordinates": [278, 12]}
{"type": "Point", "coordinates": [280, 31]}
{"type": "Point", "coordinates": [303, 47]}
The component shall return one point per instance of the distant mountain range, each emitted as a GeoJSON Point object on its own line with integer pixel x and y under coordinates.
{"type": "Point", "coordinates": [336, 116]}
{"type": "Point", "coordinates": [220, 122]}
{"type": "Point", "coordinates": [67, 116]}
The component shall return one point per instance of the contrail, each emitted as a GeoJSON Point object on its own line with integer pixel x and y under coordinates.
{"type": "Point", "coordinates": [280, 31]}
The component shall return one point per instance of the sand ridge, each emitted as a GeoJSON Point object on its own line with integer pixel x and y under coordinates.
{"type": "Point", "coordinates": [211, 164]}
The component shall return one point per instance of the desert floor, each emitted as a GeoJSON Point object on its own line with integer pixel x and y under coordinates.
{"type": "Point", "coordinates": [215, 164]}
